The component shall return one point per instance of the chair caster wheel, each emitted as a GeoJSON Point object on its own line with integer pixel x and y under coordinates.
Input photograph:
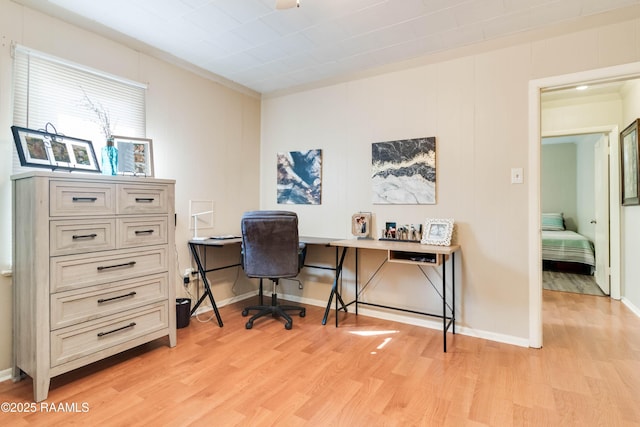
{"type": "Point", "coordinates": [288, 325]}
{"type": "Point", "coordinates": [245, 313]}
{"type": "Point", "coordinates": [303, 313]}
{"type": "Point", "coordinates": [249, 325]}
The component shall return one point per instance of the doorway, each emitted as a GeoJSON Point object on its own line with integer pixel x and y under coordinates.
{"type": "Point", "coordinates": [536, 87]}
{"type": "Point", "coordinates": [575, 183]}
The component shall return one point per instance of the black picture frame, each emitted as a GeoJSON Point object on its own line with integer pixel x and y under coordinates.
{"type": "Point", "coordinates": [42, 149]}
{"type": "Point", "coordinates": [629, 164]}
{"type": "Point", "coordinates": [135, 155]}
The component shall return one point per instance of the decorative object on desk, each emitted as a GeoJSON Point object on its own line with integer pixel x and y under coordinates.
{"type": "Point", "coordinates": [47, 149]}
{"type": "Point", "coordinates": [437, 232]}
{"type": "Point", "coordinates": [135, 155]}
{"type": "Point", "coordinates": [195, 225]}
{"type": "Point", "coordinates": [300, 177]}
{"type": "Point", "coordinates": [630, 164]}
{"type": "Point", "coordinates": [404, 233]}
{"type": "Point", "coordinates": [361, 225]}
{"type": "Point", "coordinates": [404, 171]}
{"type": "Point", "coordinates": [201, 212]}
{"type": "Point", "coordinates": [109, 154]}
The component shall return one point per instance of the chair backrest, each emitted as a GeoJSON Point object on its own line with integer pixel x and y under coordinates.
{"type": "Point", "coordinates": [270, 244]}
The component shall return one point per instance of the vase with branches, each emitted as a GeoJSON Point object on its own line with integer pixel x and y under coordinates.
{"type": "Point", "coordinates": [103, 119]}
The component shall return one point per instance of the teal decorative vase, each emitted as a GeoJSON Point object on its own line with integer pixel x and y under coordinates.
{"type": "Point", "coordinates": [109, 159]}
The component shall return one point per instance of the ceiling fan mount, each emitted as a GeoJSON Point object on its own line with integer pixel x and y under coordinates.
{"type": "Point", "coordinates": [287, 4]}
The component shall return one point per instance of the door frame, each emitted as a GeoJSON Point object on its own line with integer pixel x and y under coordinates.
{"type": "Point", "coordinates": [615, 265]}
{"type": "Point", "coordinates": [626, 71]}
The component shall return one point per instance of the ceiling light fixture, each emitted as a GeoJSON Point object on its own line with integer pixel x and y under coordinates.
{"type": "Point", "coordinates": [582, 87]}
{"type": "Point", "coordinates": [287, 4]}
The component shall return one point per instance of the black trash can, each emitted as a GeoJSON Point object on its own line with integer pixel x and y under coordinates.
{"type": "Point", "coordinates": [183, 312]}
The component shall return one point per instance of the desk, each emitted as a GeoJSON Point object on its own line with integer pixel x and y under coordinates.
{"type": "Point", "coordinates": [201, 264]}
{"type": "Point", "coordinates": [406, 253]}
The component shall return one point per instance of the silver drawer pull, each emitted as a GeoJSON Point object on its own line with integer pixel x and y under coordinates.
{"type": "Point", "coordinates": [144, 231]}
{"type": "Point", "coordinates": [84, 236]}
{"type": "Point", "coordinates": [130, 325]}
{"type": "Point", "coordinates": [84, 199]}
{"type": "Point", "coordinates": [144, 200]}
{"type": "Point", "coordinates": [126, 264]}
{"type": "Point", "coordinates": [103, 300]}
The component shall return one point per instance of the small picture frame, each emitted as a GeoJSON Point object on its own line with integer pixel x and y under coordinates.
{"type": "Point", "coordinates": [361, 224]}
{"type": "Point", "coordinates": [42, 149]}
{"type": "Point", "coordinates": [437, 232]}
{"type": "Point", "coordinates": [630, 155]}
{"type": "Point", "coordinates": [135, 155]}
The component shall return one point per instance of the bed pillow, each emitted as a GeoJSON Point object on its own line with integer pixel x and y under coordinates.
{"type": "Point", "coordinates": [552, 222]}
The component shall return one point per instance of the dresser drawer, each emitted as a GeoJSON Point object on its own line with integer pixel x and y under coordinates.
{"type": "Point", "coordinates": [81, 305]}
{"type": "Point", "coordinates": [143, 199]}
{"type": "Point", "coordinates": [79, 271]}
{"type": "Point", "coordinates": [80, 236]}
{"type": "Point", "coordinates": [142, 231]}
{"type": "Point", "coordinates": [81, 340]}
{"type": "Point", "coordinates": [77, 198]}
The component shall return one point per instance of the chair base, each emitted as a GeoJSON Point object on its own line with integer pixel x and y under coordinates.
{"type": "Point", "coordinates": [275, 310]}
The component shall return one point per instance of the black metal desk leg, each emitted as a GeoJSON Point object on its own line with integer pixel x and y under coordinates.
{"type": "Point", "coordinates": [453, 292]}
{"type": "Point", "coordinates": [207, 288]}
{"type": "Point", "coordinates": [334, 291]}
{"type": "Point", "coordinates": [444, 303]}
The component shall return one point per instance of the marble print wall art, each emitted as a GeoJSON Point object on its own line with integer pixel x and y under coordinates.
{"type": "Point", "coordinates": [300, 177]}
{"type": "Point", "coordinates": [404, 171]}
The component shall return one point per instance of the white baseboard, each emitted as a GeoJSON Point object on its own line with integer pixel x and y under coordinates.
{"type": "Point", "coordinates": [6, 374]}
{"type": "Point", "coordinates": [630, 306]}
{"type": "Point", "coordinates": [396, 317]}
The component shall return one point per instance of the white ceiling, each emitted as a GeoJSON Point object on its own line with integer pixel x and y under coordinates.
{"type": "Point", "coordinates": [264, 49]}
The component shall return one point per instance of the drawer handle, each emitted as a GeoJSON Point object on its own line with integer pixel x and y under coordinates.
{"type": "Point", "coordinates": [103, 300]}
{"type": "Point", "coordinates": [84, 236]}
{"type": "Point", "coordinates": [144, 199]}
{"type": "Point", "coordinates": [126, 264]}
{"type": "Point", "coordinates": [144, 231]}
{"type": "Point", "coordinates": [130, 325]}
{"type": "Point", "coordinates": [85, 199]}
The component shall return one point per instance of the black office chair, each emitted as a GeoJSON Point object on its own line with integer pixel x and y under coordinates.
{"type": "Point", "coordinates": [271, 250]}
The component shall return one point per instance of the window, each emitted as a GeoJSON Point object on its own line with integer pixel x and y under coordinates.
{"type": "Point", "coordinates": [52, 90]}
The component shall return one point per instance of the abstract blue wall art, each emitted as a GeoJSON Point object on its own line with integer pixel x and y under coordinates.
{"type": "Point", "coordinates": [300, 177]}
{"type": "Point", "coordinates": [404, 171]}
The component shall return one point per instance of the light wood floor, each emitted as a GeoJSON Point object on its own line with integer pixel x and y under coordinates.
{"type": "Point", "coordinates": [588, 373]}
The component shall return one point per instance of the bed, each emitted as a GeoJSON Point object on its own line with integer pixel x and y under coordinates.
{"type": "Point", "coordinates": [566, 250]}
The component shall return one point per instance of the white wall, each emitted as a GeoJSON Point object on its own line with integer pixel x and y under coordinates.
{"type": "Point", "coordinates": [631, 214]}
{"type": "Point", "coordinates": [476, 107]}
{"type": "Point", "coordinates": [205, 136]}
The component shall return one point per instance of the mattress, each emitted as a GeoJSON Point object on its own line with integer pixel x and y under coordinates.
{"type": "Point", "coordinates": [567, 246]}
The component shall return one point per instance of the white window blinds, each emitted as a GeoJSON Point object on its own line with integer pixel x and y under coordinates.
{"type": "Point", "coordinates": [52, 90]}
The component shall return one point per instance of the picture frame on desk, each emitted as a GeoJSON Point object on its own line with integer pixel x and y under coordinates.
{"type": "Point", "coordinates": [361, 225]}
{"type": "Point", "coordinates": [43, 149]}
{"type": "Point", "coordinates": [437, 232]}
{"type": "Point", "coordinates": [135, 155]}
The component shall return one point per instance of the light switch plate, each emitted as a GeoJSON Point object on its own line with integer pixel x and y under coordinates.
{"type": "Point", "coordinates": [517, 176]}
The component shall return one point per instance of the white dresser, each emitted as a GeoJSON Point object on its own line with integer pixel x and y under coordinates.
{"type": "Point", "coordinates": [93, 269]}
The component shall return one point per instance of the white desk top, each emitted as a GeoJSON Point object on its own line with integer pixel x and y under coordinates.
{"type": "Point", "coordinates": [223, 242]}
{"type": "Point", "coordinates": [389, 245]}
{"type": "Point", "coordinates": [385, 245]}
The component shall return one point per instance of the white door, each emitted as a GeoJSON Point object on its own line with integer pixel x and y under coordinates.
{"type": "Point", "coordinates": [601, 220]}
